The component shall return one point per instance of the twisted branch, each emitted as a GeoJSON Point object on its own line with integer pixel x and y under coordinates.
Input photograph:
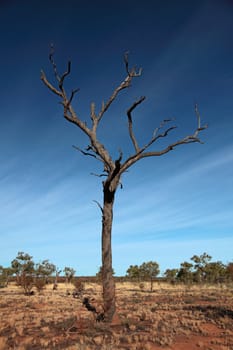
{"type": "Point", "coordinates": [140, 152]}
{"type": "Point", "coordinates": [99, 205]}
{"type": "Point", "coordinates": [87, 153]}
{"type": "Point", "coordinates": [125, 84]}
{"type": "Point", "coordinates": [98, 151]}
{"type": "Point", "coordinates": [130, 122]}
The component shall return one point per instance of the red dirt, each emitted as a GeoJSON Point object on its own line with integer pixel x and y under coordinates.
{"type": "Point", "coordinates": [166, 319]}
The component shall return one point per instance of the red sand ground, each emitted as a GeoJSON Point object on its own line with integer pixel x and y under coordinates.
{"type": "Point", "coordinates": [169, 318]}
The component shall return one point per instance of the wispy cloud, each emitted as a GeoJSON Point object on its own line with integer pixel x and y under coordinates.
{"type": "Point", "coordinates": [62, 213]}
{"type": "Point", "coordinates": [191, 197]}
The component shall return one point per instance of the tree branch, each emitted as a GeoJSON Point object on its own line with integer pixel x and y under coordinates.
{"type": "Point", "coordinates": [51, 59]}
{"type": "Point", "coordinates": [87, 153]}
{"type": "Point", "coordinates": [186, 140]}
{"type": "Point", "coordinates": [133, 72]}
{"type": "Point", "coordinates": [99, 205]}
{"type": "Point", "coordinates": [125, 84]}
{"type": "Point", "coordinates": [64, 75]}
{"type": "Point", "coordinates": [199, 127]}
{"type": "Point", "coordinates": [99, 175]}
{"type": "Point", "coordinates": [93, 115]}
{"type": "Point", "coordinates": [130, 122]}
{"type": "Point", "coordinates": [71, 116]}
{"type": "Point", "coordinates": [49, 85]}
{"type": "Point", "coordinates": [105, 106]}
{"type": "Point", "coordinates": [57, 76]}
{"type": "Point", "coordinates": [157, 136]}
{"type": "Point", "coordinates": [73, 92]}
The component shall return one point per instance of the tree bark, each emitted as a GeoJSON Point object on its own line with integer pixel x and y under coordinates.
{"type": "Point", "coordinates": [107, 270]}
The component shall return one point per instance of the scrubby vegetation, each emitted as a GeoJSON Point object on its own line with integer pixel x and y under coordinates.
{"type": "Point", "coordinates": [199, 270]}
{"type": "Point", "coordinates": [29, 274]}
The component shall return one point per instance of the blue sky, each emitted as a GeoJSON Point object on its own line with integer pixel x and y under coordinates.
{"type": "Point", "coordinates": [170, 207]}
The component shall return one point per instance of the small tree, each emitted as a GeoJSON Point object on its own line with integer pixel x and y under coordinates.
{"type": "Point", "coordinates": [45, 269]}
{"type": "Point", "coordinates": [171, 275]}
{"type": "Point", "coordinates": [133, 273]}
{"type": "Point", "coordinates": [42, 272]}
{"type": "Point", "coordinates": [113, 168]}
{"type": "Point", "coordinates": [215, 272]}
{"type": "Point", "coordinates": [146, 271]}
{"type": "Point", "coordinates": [23, 268]}
{"type": "Point", "coordinates": [185, 273]}
{"type": "Point", "coordinates": [229, 271]}
{"type": "Point", "coordinates": [57, 273]}
{"type": "Point", "coordinates": [200, 265]}
{"type": "Point", "coordinates": [69, 273]}
{"type": "Point", "coordinates": [149, 270]}
{"type": "Point", "coordinates": [79, 284]}
{"type": "Point", "coordinates": [5, 273]}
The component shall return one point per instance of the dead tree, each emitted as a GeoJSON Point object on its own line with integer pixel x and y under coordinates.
{"type": "Point", "coordinates": [113, 168]}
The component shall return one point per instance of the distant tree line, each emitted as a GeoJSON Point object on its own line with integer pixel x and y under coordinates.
{"type": "Point", "coordinates": [200, 270]}
{"type": "Point", "coordinates": [29, 274]}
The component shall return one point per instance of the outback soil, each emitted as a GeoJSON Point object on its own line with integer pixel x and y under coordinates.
{"type": "Point", "coordinates": [169, 318]}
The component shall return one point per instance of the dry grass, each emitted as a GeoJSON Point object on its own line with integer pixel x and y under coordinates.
{"type": "Point", "coordinates": [169, 318]}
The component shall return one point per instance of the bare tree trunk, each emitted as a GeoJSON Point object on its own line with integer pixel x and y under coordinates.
{"type": "Point", "coordinates": [113, 170]}
{"type": "Point", "coordinates": [151, 284]}
{"type": "Point", "coordinates": [107, 270]}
